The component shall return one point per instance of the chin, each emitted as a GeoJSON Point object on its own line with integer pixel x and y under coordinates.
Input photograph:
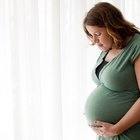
{"type": "Point", "coordinates": [103, 49]}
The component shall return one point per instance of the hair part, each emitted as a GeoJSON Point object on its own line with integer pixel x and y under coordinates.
{"type": "Point", "coordinates": [106, 15]}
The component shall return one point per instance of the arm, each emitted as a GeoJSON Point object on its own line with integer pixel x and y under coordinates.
{"type": "Point", "coordinates": [128, 120]}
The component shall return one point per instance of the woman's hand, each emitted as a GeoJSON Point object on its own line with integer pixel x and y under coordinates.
{"type": "Point", "coordinates": [104, 129]}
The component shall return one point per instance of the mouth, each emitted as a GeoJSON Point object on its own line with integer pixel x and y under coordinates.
{"type": "Point", "coordinates": [100, 45]}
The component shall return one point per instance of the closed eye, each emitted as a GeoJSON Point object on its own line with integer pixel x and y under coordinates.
{"type": "Point", "coordinates": [97, 33]}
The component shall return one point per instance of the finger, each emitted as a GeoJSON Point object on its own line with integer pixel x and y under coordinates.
{"type": "Point", "coordinates": [98, 132]}
{"type": "Point", "coordinates": [96, 125]}
{"type": "Point", "coordinates": [97, 129]}
{"type": "Point", "coordinates": [99, 123]}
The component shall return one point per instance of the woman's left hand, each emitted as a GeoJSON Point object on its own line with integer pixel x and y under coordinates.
{"type": "Point", "coordinates": [104, 129]}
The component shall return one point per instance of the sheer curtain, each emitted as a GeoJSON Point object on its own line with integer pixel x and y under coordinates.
{"type": "Point", "coordinates": [45, 66]}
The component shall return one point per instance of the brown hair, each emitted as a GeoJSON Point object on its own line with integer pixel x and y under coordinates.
{"type": "Point", "coordinates": [106, 15]}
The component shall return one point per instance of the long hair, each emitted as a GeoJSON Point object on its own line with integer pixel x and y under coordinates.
{"type": "Point", "coordinates": [106, 15]}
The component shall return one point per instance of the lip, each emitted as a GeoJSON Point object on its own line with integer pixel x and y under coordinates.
{"type": "Point", "coordinates": [100, 45]}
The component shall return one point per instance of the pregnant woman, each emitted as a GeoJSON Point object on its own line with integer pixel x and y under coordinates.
{"type": "Point", "coordinates": [113, 108]}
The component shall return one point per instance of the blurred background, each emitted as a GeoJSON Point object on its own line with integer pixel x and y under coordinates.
{"type": "Point", "coordinates": [45, 67]}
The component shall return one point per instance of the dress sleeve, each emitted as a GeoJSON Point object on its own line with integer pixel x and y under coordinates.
{"type": "Point", "coordinates": [135, 52]}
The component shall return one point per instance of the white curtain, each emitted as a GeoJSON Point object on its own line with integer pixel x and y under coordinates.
{"type": "Point", "coordinates": [45, 66]}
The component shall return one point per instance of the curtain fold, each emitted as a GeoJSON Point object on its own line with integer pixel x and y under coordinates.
{"type": "Point", "coordinates": [45, 68]}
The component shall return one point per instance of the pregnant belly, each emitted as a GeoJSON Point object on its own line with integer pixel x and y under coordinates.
{"type": "Point", "coordinates": [106, 105]}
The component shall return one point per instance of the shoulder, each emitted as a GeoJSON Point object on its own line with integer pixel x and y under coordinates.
{"type": "Point", "coordinates": [133, 48]}
{"type": "Point", "coordinates": [135, 39]}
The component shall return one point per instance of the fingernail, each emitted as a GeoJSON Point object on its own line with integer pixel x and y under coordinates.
{"type": "Point", "coordinates": [94, 122]}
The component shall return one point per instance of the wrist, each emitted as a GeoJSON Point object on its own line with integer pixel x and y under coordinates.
{"type": "Point", "coordinates": [117, 129]}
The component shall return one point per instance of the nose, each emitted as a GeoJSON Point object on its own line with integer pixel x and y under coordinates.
{"type": "Point", "coordinates": [95, 39]}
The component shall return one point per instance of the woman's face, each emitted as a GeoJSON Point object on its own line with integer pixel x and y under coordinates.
{"type": "Point", "coordinates": [100, 37]}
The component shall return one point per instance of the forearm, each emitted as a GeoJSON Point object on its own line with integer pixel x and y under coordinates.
{"type": "Point", "coordinates": [129, 119]}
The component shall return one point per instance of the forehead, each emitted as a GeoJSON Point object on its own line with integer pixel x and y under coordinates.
{"type": "Point", "coordinates": [95, 29]}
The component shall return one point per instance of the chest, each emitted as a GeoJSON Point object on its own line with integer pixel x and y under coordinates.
{"type": "Point", "coordinates": [118, 74]}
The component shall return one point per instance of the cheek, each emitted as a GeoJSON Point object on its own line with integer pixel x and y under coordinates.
{"type": "Point", "coordinates": [108, 40]}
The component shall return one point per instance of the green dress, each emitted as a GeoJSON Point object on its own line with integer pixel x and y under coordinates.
{"type": "Point", "coordinates": [116, 91]}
